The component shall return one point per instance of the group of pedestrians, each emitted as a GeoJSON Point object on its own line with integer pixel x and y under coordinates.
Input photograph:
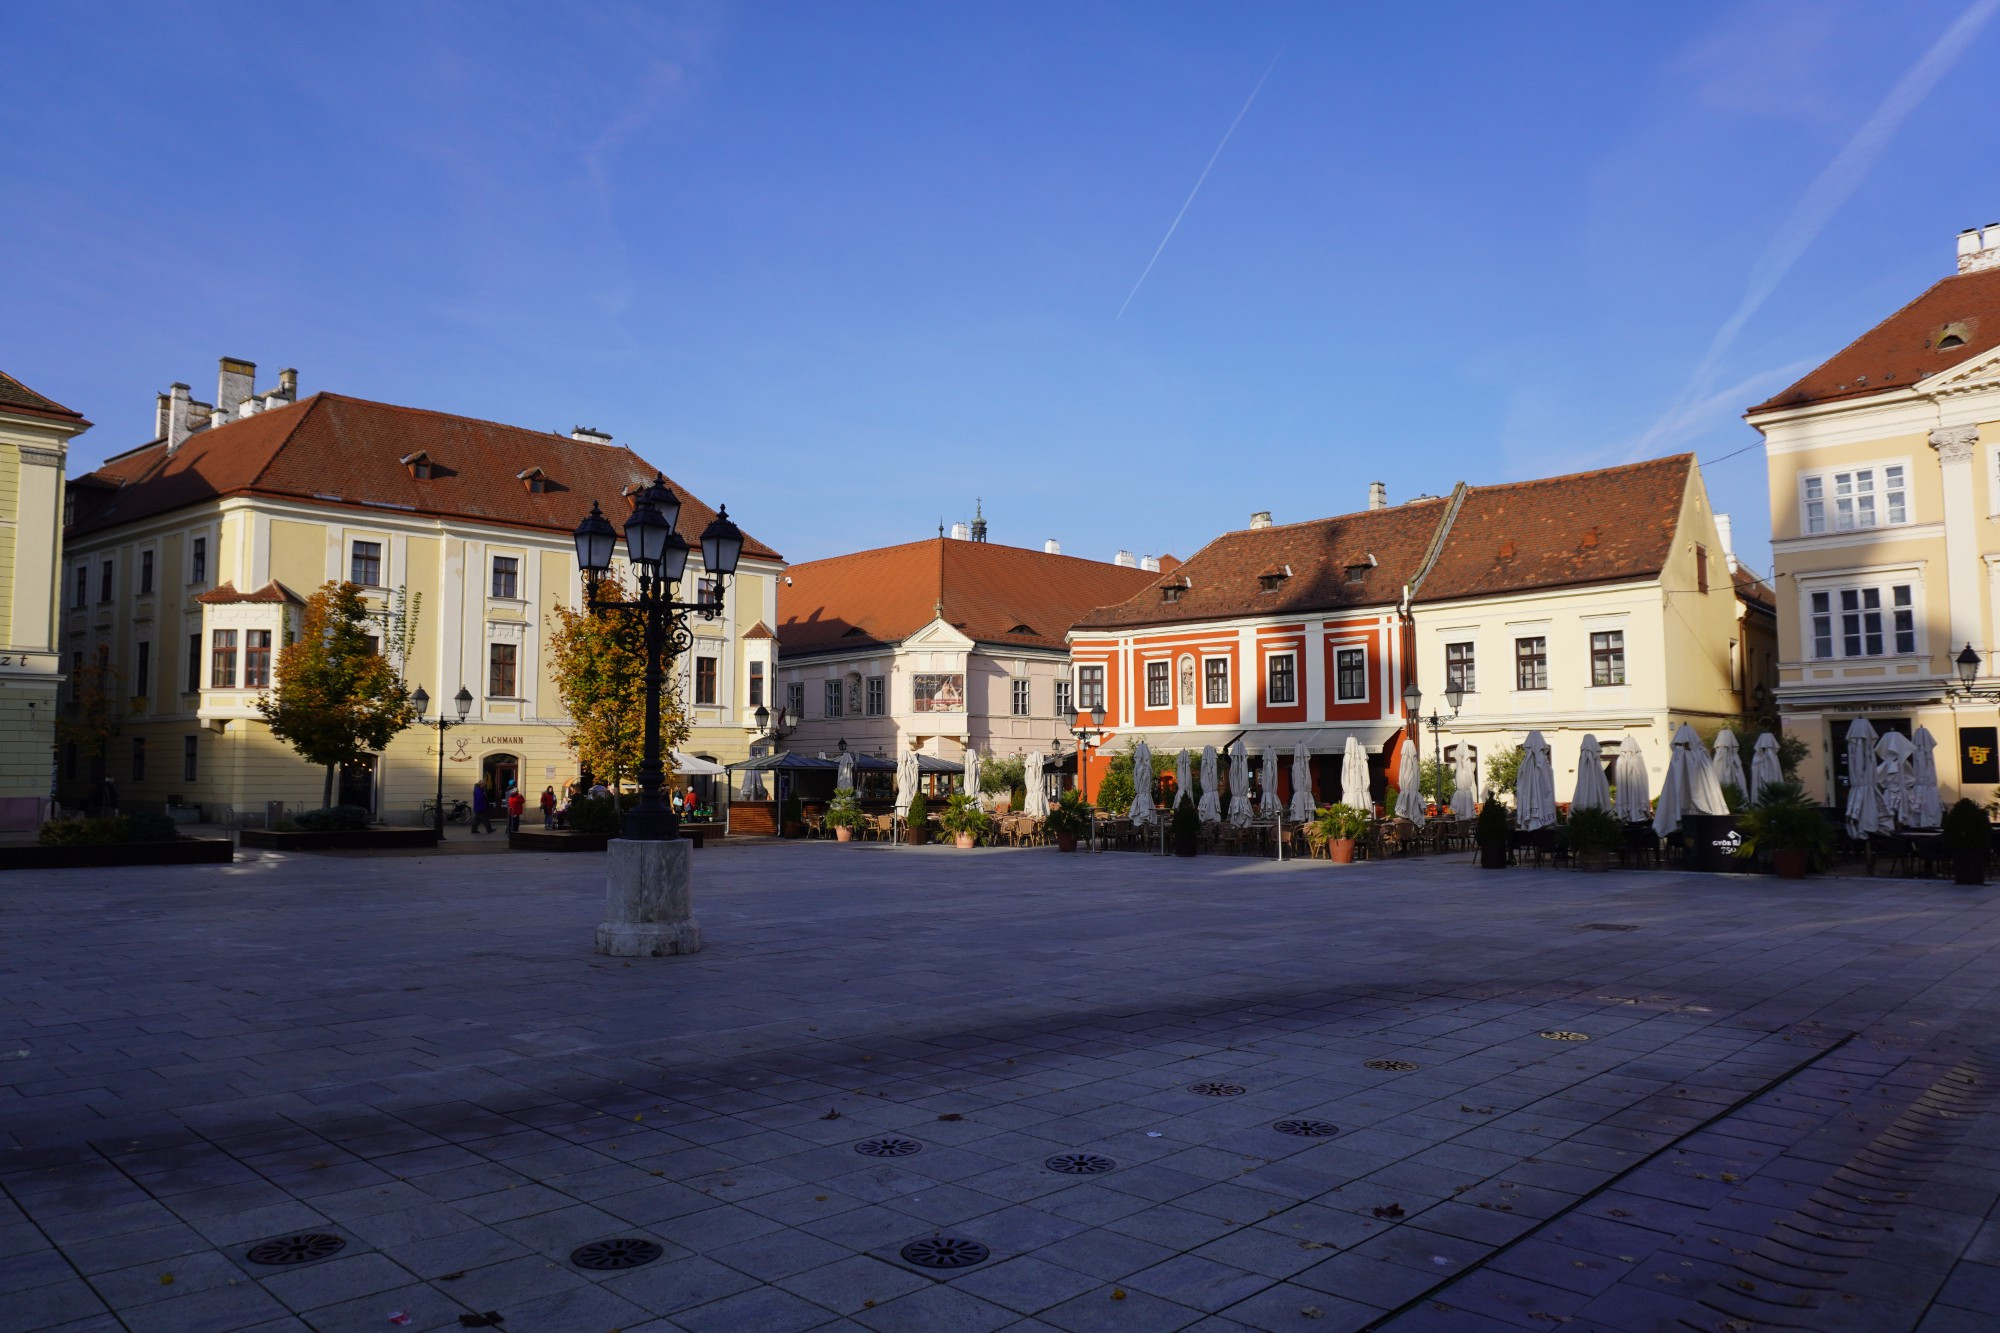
{"type": "Point", "coordinates": [513, 803]}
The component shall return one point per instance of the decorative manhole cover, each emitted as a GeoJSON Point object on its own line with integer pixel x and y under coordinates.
{"type": "Point", "coordinates": [945, 1252]}
{"type": "Point", "coordinates": [1605, 925]}
{"type": "Point", "coordinates": [1389, 1066]}
{"type": "Point", "coordinates": [1307, 1129]}
{"type": "Point", "coordinates": [1080, 1163]}
{"type": "Point", "coordinates": [607, 1256]}
{"type": "Point", "coordinates": [890, 1146]}
{"type": "Point", "coordinates": [1216, 1089]}
{"type": "Point", "coordinates": [1564, 1036]}
{"type": "Point", "coordinates": [300, 1249]}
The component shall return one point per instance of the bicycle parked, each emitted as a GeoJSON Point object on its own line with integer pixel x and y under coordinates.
{"type": "Point", "coordinates": [458, 812]}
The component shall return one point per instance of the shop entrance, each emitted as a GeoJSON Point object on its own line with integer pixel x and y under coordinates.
{"type": "Point", "coordinates": [500, 771]}
{"type": "Point", "coordinates": [357, 783]}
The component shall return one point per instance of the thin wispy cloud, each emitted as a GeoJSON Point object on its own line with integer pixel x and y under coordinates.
{"type": "Point", "coordinates": [1815, 208]}
{"type": "Point", "coordinates": [1245, 110]}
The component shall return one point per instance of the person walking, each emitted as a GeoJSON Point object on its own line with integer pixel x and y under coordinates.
{"type": "Point", "coordinates": [548, 807]}
{"type": "Point", "coordinates": [516, 803]}
{"type": "Point", "coordinates": [482, 808]}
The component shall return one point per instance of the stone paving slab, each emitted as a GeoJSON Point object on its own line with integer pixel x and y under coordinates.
{"type": "Point", "coordinates": [421, 1057]}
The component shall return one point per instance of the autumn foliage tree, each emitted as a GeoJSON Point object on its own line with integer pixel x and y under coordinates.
{"type": "Point", "coordinates": [93, 711]}
{"type": "Point", "coordinates": [337, 698]}
{"type": "Point", "coordinates": [598, 659]}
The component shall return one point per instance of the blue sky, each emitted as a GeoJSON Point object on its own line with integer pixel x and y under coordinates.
{"type": "Point", "coordinates": [848, 267]}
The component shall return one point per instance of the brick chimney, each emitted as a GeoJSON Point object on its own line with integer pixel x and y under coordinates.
{"type": "Point", "coordinates": [1378, 495]}
{"type": "Point", "coordinates": [235, 380]}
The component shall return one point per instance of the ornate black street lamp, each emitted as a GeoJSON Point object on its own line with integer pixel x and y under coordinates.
{"type": "Point", "coordinates": [1413, 703]}
{"type": "Point", "coordinates": [422, 703]}
{"type": "Point", "coordinates": [1087, 739]}
{"type": "Point", "coordinates": [659, 557]}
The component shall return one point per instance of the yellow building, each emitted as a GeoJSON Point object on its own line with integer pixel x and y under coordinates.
{"type": "Point", "coordinates": [189, 557]}
{"type": "Point", "coordinates": [34, 435]}
{"type": "Point", "coordinates": [1884, 466]}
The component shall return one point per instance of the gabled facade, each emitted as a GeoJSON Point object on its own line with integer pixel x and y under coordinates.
{"type": "Point", "coordinates": [1599, 602]}
{"type": "Point", "coordinates": [35, 432]}
{"type": "Point", "coordinates": [189, 559]}
{"type": "Point", "coordinates": [937, 646]}
{"type": "Point", "coordinates": [1884, 468]}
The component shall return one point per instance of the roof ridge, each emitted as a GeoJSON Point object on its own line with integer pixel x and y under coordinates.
{"type": "Point", "coordinates": [1858, 339]}
{"type": "Point", "coordinates": [1683, 456]}
{"type": "Point", "coordinates": [311, 404]}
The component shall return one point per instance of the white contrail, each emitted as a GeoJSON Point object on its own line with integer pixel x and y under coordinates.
{"type": "Point", "coordinates": [1210, 167]}
{"type": "Point", "coordinates": [1829, 190]}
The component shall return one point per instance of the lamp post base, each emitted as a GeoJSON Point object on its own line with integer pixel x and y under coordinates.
{"type": "Point", "coordinates": [648, 900]}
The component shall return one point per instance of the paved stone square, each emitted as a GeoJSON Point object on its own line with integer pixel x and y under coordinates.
{"type": "Point", "coordinates": [1779, 1113]}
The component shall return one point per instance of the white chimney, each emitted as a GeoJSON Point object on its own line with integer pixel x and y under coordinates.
{"type": "Point", "coordinates": [1378, 495]}
{"type": "Point", "coordinates": [178, 425]}
{"type": "Point", "coordinates": [1052, 546]}
{"type": "Point", "coordinates": [1260, 518]}
{"type": "Point", "coordinates": [1722, 530]}
{"type": "Point", "coordinates": [1978, 251]}
{"type": "Point", "coordinates": [1124, 560]}
{"type": "Point", "coordinates": [235, 381]}
{"type": "Point", "coordinates": [961, 533]}
{"type": "Point", "coordinates": [1150, 563]}
{"type": "Point", "coordinates": [590, 435]}
{"type": "Point", "coordinates": [248, 407]}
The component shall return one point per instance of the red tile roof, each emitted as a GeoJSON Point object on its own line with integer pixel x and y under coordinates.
{"type": "Point", "coordinates": [991, 593]}
{"type": "Point", "coordinates": [1586, 527]}
{"type": "Point", "coordinates": [1903, 349]}
{"type": "Point", "coordinates": [1385, 547]}
{"type": "Point", "coordinates": [331, 449]}
{"type": "Point", "coordinates": [226, 595]}
{"type": "Point", "coordinates": [18, 397]}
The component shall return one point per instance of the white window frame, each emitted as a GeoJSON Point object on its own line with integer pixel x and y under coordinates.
{"type": "Point", "coordinates": [1228, 685]}
{"type": "Point", "coordinates": [1860, 486]}
{"type": "Point", "coordinates": [833, 698]}
{"type": "Point", "coordinates": [1166, 665]}
{"type": "Point", "coordinates": [1834, 590]}
{"type": "Point", "coordinates": [1270, 661]}
{"type": "Point", "coordinates": [1020, 697]}
{"type": "Point", "coordinates": [1065, 698]}
{"type": "Point", "coordinates": [795, 699]}
{"type": "Point", "coordinates": [517, 574]}
{"type": "Point", "coordinates": [875, 696]}
{"type": "Point", "coordinates": [1470, 664]}
{"type": "Point", "coordinates": [1367, 677]}
{"type": "Point", "coordinates": [1102, 683]}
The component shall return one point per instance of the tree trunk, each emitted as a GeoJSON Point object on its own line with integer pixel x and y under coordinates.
{"type": "Point", "coordinates": [326, 794]}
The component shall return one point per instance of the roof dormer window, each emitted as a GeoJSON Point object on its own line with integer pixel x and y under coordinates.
{"type": "Point", "coordinates": [1273, 577]}
{"type": "Point", "coordinates": [419, 464]}
{"type": "Point", "coordinates": [1950, 336]}
{"type": "Point", "coordinates": [1171, 592]}
{"type": "Point", "coordinates": [534, 479]}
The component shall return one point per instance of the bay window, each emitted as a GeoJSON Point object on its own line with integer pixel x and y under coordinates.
{"type": "Point", "coordinates": [1855, 498]}
{"type": "Point", "coordinates": [1872, 621]}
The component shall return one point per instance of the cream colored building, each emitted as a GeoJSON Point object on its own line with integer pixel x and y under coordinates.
{"type": "Point", "coordinates": [1884, 468]}
{"type": "Point", "coordinates": [190, 557]}
{"type": "Point", "coordinates": [34, 436]}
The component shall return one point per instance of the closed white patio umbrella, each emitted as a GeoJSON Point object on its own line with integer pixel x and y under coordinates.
{"type": "Point", "coordinates": [1037, 784]}
{"type": "Point", "coordinates": [1268, 805]}
{"type": "Point", "coordinates": [1142, 786]}
{"type": "Point", "coordinates": [906, 782]}
{"type": "Point", "coordinates": [1930, 809]}
{"type": "Point", "coordinates": [1634, 798]}
{"type": "Point", "coordinates": [1465, 784]}
{"type": "Point", "coordinates": [1864, 811]}
{"type": "Point", "coordinates": [1302, 784]}
{"type": "Point", "coordinates": [1210, 806]}
{"type": "Point", "coordinates": [1239, 784]}
{"type": "Point", "coordinates": [1354, 777]}
{"type": "Point", "coordinates": [971, 777]}
{"type": "Point", "coordinates": [1183, 785]}
{"type": "Point", "coordinates": [1535, 786]}
{"type": "Point", "coordinates": [1764, 766]}
{"type": "Point", "coordinates": [845, 778]}
{"type": "Point", "coordinates": [1729, 762]}
{"type": "Point", "coordinates": [1592, 791]}
{"type": "Point", "coordinates": [1690, 787]}
{"type": "Point", "coordinates": [1410, 784]}
{"type": "Point", "coordinates": [1896, 781]}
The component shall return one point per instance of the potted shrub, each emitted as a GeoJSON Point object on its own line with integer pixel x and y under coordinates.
{"type": "Point", "coordinates": [1593, 836]}
{"type": "Point", "coordinates": [1340, 825]}
{"type": "Point", "coordinates": [1969, 839]}
{"type": "Point", "coordinates": [794, 824]}
{"type": "Point", "coordinates": [1068, 821]}
{"type": "Point", "coordinates": [964, 820]}
{"type": "Point", "coordinates": [1490, 832]}
{"type": "Point", "coordinates": [844, 815]}
{"type": "Point", "coordinates": [1185, 831]}
{"type": "Point", "coordinates": [1786, 823]}
{"type": "Point", "coordinates": [917, 830]}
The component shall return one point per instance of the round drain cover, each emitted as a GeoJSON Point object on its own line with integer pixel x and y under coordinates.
{"type": "Point", "coordinates": [890, 1146]}
{"type": "Point", "coordinates": [1307, 1129]}
{"type": "Point", "coordinates": [1216, 1089]}
{"type": "Point", "coordinates": [606, 1256]}
{"type": "Point", "coordinates": [945, 1252]}
{"type": "Point", "coordinates": [300, 1249]}
{"type": "Point", "coordinates": [1564, 1036]}
{"type": "Point", "coordinates": [1389, 1066]}
{"type": "Point", "coordinates": [1080, 1163]}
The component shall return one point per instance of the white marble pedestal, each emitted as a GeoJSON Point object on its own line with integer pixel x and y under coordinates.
{"type": "Point", "coordinates": [648, 900]}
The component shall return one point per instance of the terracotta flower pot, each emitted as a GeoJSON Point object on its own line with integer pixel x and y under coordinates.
{"type": "Point", "coordinates": [1791, 862]}
{"type": "Point", "coordinates": [1341, 850]}
{"type": "Point", "coordinates": [963, 839]}
{"type": "Point", "coordinates": [1065, 842]}
{"type": "Point", "coordinates": [842, 833]}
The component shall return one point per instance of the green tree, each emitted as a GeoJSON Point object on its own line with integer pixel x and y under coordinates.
{"type": "Point", "coordinates": [337, 698]}
{"type": "Point", "coordinates": [1438, 783]}
{"type": "Point", "coordinates": [1502, 767]}
{"type": "Point", "coordinates": [1115, 791]}
{"type": "Point", "coordinates": [598, 660]}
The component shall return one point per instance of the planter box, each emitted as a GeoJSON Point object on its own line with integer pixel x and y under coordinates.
{"type": "Point", "coordinates": [556, 840]}
{"type": "Point", "coordinates": [182, 852]}
{"type": "Point", "coordinates": [346, 840]}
